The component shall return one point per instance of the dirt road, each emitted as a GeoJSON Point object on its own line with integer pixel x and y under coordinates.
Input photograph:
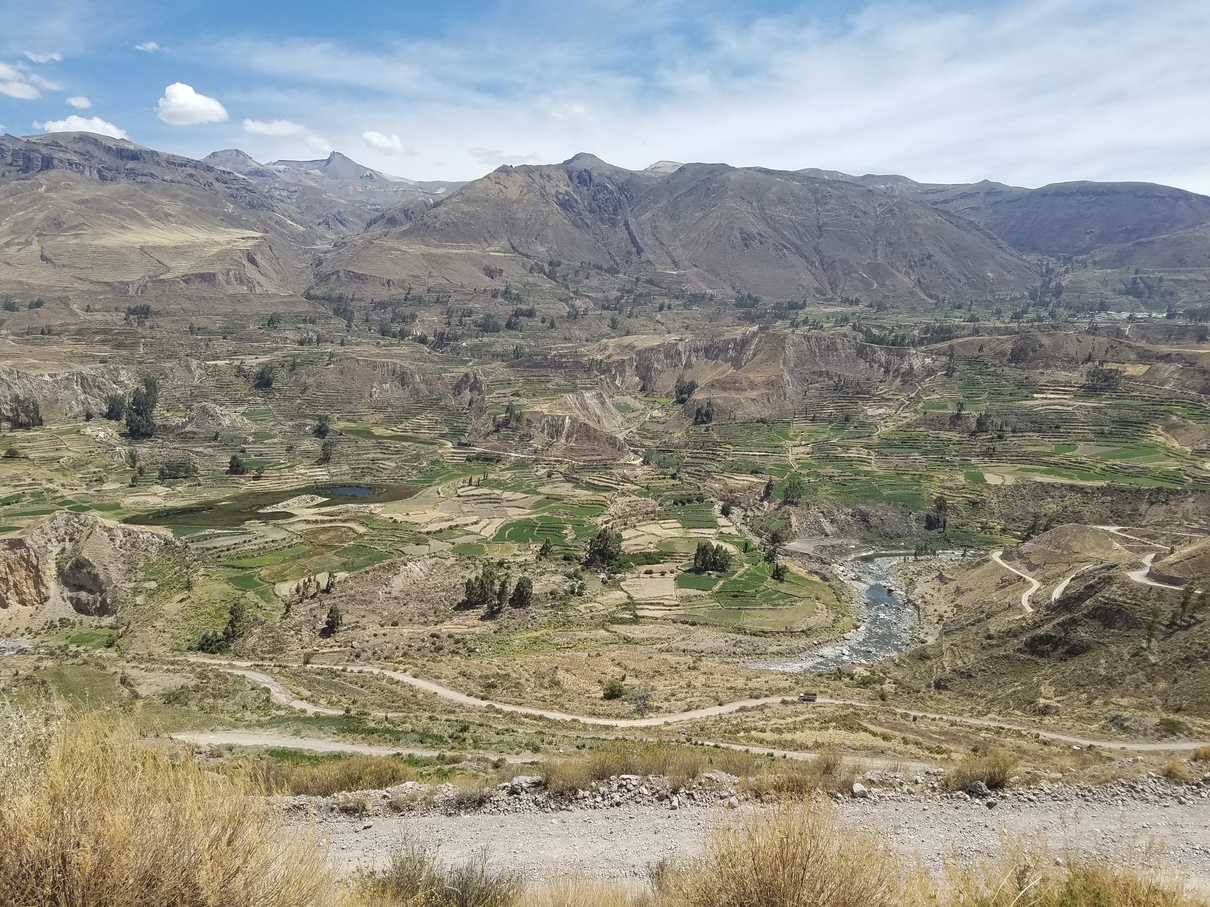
{"type": "Point", "coordinates": [280, 694]}
{"type": "Point", "coordinates": [621, 843]}
{"type": "Point", "coordinates": [1034, 585]}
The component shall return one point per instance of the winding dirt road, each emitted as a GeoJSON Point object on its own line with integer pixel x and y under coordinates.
{"type": "Point", "coordinates": [280, 694]}
{"type": "Point", "coordinates": [1034, 585]}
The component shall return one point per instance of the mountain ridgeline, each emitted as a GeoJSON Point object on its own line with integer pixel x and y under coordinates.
{"type": "Point", "coordinates": [84, 213]}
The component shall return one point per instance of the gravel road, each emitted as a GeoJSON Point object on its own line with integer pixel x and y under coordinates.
{"type": "Point", "coordinates": [619, 843]}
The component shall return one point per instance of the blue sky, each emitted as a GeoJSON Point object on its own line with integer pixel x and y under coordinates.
{"type": "Point", "coordinates": [1021, 91]}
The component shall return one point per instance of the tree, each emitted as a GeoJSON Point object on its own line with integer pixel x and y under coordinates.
{"type": "Point", "coordinates": [768, 491]}
{"type": "Point", "coordinates": [779, 572]}
{"type": "Point", "coordinates": [177, 469]}
{"type": "Point", "coordinates": [334, 621]}
{"type": "Point", "coordinates": [710, 558]}
{"type": "Point", "coordinates": [684, 389]}
{"type": "Point", "coordinates": [326, 449]}
{"type": "Point", "coordinates": [323, 425]}
{"type": "Point", "coordinates": [115, 407]}
{"type": "Point", "coordinates": [604, 548]}
{"type": "Point", "coordinates": [481, 589]}
{"type": "Point", "coordinates": [236, 465]}
{"type": "Point", "coordinates": [546, 549]}
{"type": "Point", "coordinates": [793, 490]}
{"type": "Point", "coordinates": [264, 377]}
{"type": "Point", "coordinates": [613, 689]}
{"type": "Point", "coordinates": [523, 593]}
{"type": "Point", "coordinates": [704, 414]}
{"type": "Point", "coordinates": [24, 412]}
{"type": "Point", "coordinates": [140, 410]}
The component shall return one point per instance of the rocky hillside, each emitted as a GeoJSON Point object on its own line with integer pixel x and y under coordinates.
{"type": "Point", "coordinates": [1098, 631]}
{"type": "Point", "coordinates": [335, 195]}
{"type": "Point", "coordinates": [706, 226]}
{"type": "Point", "coordinates": [86, 212]}
{"type": "Point", "coordinates": [74, 565]}
{"type": "Point", "coordinates": [1121, 224]}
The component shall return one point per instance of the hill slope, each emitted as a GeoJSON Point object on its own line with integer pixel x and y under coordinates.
{"type": "Point", "coordinates": [82, 211]}
{"type": "Point", "coordinates": [705, 226]}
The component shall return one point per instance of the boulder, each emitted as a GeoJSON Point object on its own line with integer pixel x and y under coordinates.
{"type": "Point", "coordinates": [978, 789]}
{"type": "Point", "coordinates": [860, 791]}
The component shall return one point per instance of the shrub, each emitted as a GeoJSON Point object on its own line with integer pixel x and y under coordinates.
{"type": "Point", "coordinates": [236, 465]}
{"type": "Point", "coordinates": [680, 764]}
{"type": "Point", "coordinates": [792, 857]}
{"type": "Point", "coordinates": [800, 778]}
{"type": "Point", "coordinates": [140, 411]}
{"type": "Point", "coordinates": [102, 818]}
{"type": "Point", "coordinates": [24, 412]}
{"type": "Point", "coordinates": [994, 768]}
{"type": "Point", "coordinates": [1026, 877]}
{"type": "Point", "coordinates": [326, 777]}
{"type": "Point", "coordinates": [13, 453]}
{"type": "Point", "coordinates": [177, 469]}
{"type": "Point", "coordinates": [1201, 754]}
{"type": "Point", "coordinates": [614, 689]}
{"type": "Point", "coordinates": [417, 876]}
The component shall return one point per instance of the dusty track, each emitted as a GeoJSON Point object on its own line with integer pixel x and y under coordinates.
{"type": "Point", "coordinates": [1034, 585]}
{"type": "Point", "coordinates": [280, 694]}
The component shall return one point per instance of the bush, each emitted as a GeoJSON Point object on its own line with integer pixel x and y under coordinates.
{"type": "Point", "coordinates": [417, 876]}
{"type": "Point", "coordinates": [24, 412]}
{"type": "Point", "coordinates": [326, 777]}
{"type": "Point", "coordinates": [994, 768]}
{"type": "Point", "coordinates": [792, 857]}
{"type": "Point", "coordinates": [613, 689]}
{"type": "Point", "coordinates": [1201, 754]}
{"type": "Point", "coordinates": [236, 465]}
{"type": "Point", "coordinates": [13, 453]}
{"type": "Point", "coordinates": [680, 764]}
{"type": "Point", "coordinates": [604, 548]}
{"type": "Point", "coordinates": [177, 469]}
{"type": "Point", "coordinates": [115, 407]}
{"type": "Point", "coordinates": [140, 411]}
{"type": "Point", "coordinates": [99, 817]}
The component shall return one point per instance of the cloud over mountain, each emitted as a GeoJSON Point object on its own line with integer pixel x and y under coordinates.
{"type": "Point", "coordinates": [182, 106]}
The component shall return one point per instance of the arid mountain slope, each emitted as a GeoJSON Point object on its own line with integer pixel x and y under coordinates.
{"type": "Point", "coordinates": [81, 211]}
{"type": "Point", "coordinates": [1128, 223]}
{"type": "Point", "coordinates": [703, 226]}
{"type": "Point", "coordinates": [335, 195]}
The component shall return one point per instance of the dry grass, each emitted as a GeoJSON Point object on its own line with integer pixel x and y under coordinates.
{"type": "Point", "coordinates": [679, 764]}
{"type": "Point", "coordinates": [333, 776]}
{"type": "Point", "coordinates": [580, 892]}
{"type": "Point", "coordinates": [100, 818]}
{"type": "Point", "coordinates": [798, 779]}
{"type": "Point", "coordinates": [995, 768]}
{"type": "Point", "coordinates": [1176, 771]}
{"type": "Point", "coordinates": [1028, 877]}
{"type": "Point", "coordinates": [793, 857]}
{"type": "Point", "coordinates": [1201, 754]}
{"type": "Point", "coordinates": [417, 877]}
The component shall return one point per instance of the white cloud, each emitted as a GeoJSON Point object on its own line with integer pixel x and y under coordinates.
{"type": "Point", "coordinates": [20, 90]}
{"type": "Point", "coordinates": [182, 106]}
{"type": "Point", "coordinates": [273, 127]}
{"type": "Point", "coordinates": [45, 58]}
{"type": "Point", "coordinates": [148, 47]}
{"type": "Point", "coordinates": [489, 158]}
{"type": "Point", "coordinates": [16, 82]}
{"type": "Point", "coordinates": [318, 144]}
{"type": "Point", "coordinates": [79, 102]}
{"type": "Point", "coordinates": [386, 144]}
{"type": "Point", "coordinates": [1026, 91]}
{"type": "Point", "coordinates": [75, 123]}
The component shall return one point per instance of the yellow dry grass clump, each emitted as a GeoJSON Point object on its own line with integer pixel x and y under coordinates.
{"type": "Point", "coordinates": [96, 817]}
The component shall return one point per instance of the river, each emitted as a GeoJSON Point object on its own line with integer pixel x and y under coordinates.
{"type": "Point", "coordinates": [888, 621]}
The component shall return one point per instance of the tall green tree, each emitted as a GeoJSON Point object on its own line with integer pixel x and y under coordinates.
{"type": "Point", "coordinates": [140, 410]}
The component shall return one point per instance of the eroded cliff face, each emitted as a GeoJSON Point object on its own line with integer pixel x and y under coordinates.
{"type": "Point", "coordinates": [24, 582]}
{"type": "Point", "coordinates": [758, 373]}
{"type": "Point", "coordinates": [75, 563]}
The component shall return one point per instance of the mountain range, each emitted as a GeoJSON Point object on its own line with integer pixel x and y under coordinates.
{"type": "Point", "coordinates": [85, 212]}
